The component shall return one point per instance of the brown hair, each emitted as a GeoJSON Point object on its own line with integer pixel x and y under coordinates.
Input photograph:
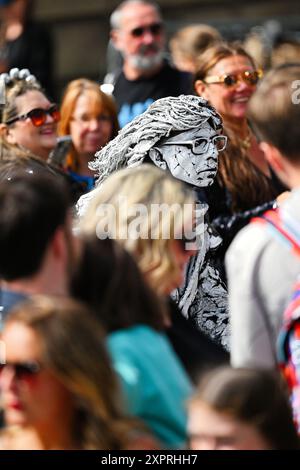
{"type": "Point", "coordinates": [108, 279]}
{"type": "Point", "coordinates": [247, 185]}
{"type": "Point", "coordinates": [73, 348]}
{"type": "Point", "coordinates": [253, 396]}
{"type": "Point", "coordinates": [215, 53]}
{"type": "Point", "coordinates": [103, 102]}
{"type": "Point", "coordinates": [274, 110]}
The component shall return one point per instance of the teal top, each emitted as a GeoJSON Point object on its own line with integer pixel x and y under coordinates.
{"type": "Point", "coordinates": [153, 380]}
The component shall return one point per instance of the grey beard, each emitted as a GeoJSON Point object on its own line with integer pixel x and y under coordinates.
{"type": "Point", "coordinates": [141, 62]}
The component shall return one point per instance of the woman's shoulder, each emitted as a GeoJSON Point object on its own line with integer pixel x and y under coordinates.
{"type": "Point", "coordinates": [139, 340]}
{"type": "Point", "coordinates": [137, 332]}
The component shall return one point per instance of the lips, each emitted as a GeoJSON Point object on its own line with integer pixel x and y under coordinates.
{"type": "Point", "coordinates": [241, 99]}
{"type": "Point", "coordinates": [48, 131]}
{"type": "Point", "coordinates": [15, 405]}
{"type": "Point", "coordinates": [95, 139]}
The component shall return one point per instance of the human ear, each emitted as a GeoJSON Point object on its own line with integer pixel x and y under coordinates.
{"type": "Point", "coordinates": [157, 158]}
{"type": "Point", "coordinates": [115, 36]}
{"type": "Point", "coordinates": [201, 89]}
{"type": "Point", "coordinates": [3, 130]}
{"type": "Point", "coordinates": [273, 156]}
{"type": "Point", "coordinates": [7, 133]}
{"type": "Point", "coordinates": [58, 243]}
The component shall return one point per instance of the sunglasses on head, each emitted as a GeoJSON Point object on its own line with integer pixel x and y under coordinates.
{"type": "Point", "coordinates": [22, 370]}
{"type": "Point", "coordinates": [38, 116]}
{"type": "Point", "coordinates": [250, 77]}
{"type": "Point", "coordinates": [154, 28]}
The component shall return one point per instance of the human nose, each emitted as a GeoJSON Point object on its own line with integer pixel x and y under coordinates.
{"type": "Point", "coordinates": [148, 37]}
{"type": "Point", "coordinates": [207, 443]}
{"type": "Point", "coordinates": [49, 118]}
{"type": "Point", "coordinates": [241, 84]}
{"type": "Point", "coordinates": [93, 124]}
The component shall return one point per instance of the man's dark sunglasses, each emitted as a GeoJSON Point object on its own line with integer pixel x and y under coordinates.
{"type": "Point", "coordinates": [22, 370]}
{"type": "Point", "coordinates": [38, 116]}
{"type": "Point", "coordinates": [154, 28]}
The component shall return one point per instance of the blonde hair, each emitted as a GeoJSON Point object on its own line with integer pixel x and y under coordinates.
{"type": "Point", "coordinates": [285, 53]}
{"type": "Point", "coordinates": [192, 40]}
{"type": "Point", "coordinates": [13, 84]}
{"type": "Point", "coordinates": [125, 190]}
{"type": "Point", "coordinates": [16, 85]}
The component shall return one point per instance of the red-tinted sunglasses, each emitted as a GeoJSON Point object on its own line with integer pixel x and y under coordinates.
{"type": "Point", "coordinates": [38, 116]}
{"type": "Point", "coordinates": [22, 370]}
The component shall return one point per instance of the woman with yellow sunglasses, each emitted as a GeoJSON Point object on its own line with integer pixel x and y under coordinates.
{"type": "Point", "coordinates": [245, 186]}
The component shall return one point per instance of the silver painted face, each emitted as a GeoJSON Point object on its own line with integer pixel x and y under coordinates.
{"type": "Point", "coordinates": [191, 156]}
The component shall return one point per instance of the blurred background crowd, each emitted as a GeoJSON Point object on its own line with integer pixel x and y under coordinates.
{"type": "Point", "coordinates": [148, 341]}
{"type": "Point", "coordinates": [82, 27]}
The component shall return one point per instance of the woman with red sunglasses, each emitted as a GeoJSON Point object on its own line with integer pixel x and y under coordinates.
{"type": "Point", "coordinates": [28, 118]}
{"type": "Point", "coordinates": [245, 186]}
{"type": "Point", "coordinates": [58, 387]}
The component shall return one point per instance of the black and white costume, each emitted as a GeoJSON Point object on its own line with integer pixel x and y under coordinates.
{"type": "Point", "coordinates": [179, 134]}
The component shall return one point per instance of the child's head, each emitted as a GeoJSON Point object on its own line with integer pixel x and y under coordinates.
{"type": "Point", "coordinates": [241, 409]}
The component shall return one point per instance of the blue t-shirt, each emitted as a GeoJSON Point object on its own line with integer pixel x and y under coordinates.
{"type": "Point", "coordinates": [153, 380]}
{"type": "Point", "coordinates": [8, 299]}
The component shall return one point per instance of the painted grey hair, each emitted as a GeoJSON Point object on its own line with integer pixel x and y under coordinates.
{"type": "Point", "coordinates": [164, 116]}
{"type": "Point", "coordinates": [115, 17]}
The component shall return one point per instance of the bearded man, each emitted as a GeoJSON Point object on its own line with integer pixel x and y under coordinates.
{"type": "Point", "coordinates": [138, 33]}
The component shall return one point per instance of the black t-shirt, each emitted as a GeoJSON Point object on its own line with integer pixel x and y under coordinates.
{"type": "Point", "coordinates": [134, 96]}
{"type": "Point", "coordinates": [33, 49]}
{"type": "Point", "coordinates": [197, 352]}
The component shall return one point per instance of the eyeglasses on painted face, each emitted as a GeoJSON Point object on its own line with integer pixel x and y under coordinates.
{"type": "Point", "coordinates": [22, 370]}
{"type": "Point", "coordinates": [250, 77]}
{"type": "Point", "coordinates": [200, 146]}
{"type": "Point", "coordinates": [154, 28]}
{"type": "Point", "coordinates": [38, 116]}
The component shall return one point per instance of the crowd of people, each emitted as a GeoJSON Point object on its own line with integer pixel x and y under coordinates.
{"type": "Point", "coordinates": [150, 249]}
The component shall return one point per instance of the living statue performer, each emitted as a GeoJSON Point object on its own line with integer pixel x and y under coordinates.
{"type": "Point", "coordinates": [180, 135]}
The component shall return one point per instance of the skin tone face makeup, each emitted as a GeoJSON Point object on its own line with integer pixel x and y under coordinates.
{"type": "Point", "coordinates": [34, 398]}
{"type": "Point", "coordinates": [213, 430]}
{"type": "Point", "coordinates": [38, 139]}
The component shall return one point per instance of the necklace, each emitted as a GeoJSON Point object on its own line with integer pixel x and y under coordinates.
{"type": "Point", "coordinates": [245, 143]}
